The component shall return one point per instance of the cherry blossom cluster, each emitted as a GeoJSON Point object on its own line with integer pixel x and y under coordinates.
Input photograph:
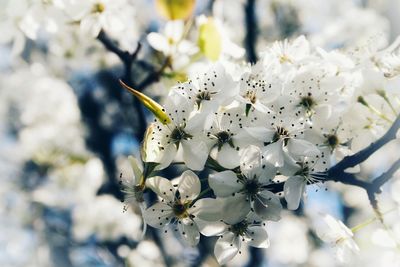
{"type": "Point", "coordinates": [264, 132]}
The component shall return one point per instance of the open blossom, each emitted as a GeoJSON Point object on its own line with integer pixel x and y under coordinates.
{"type": "Point", "coordinates": [258, 88]}
{"type": "Point", "coordinates": [249, 188]}
{"type": "Point", "coordinates": [233, 236]}
{"type": "Point", "coordinates": [94, 15]}
{"type": "Point", "coordinates": [171, 42]}
{"type": "Point", "coordinates": [209, 90]}
{"type": "Point", "coordinates": [176, 205]}
{"type": "Point", "coordinates": [183, 132]}
{"type": "Point", "coordinates": [309, 170]}
{"type": "Point", "coordinates": [335, 232]}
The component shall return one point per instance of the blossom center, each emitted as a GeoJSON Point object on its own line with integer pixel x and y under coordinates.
{"type": "Point", "coordinates": [179, 210]}
{"type": "Point", "coordinates": [280, 133]}
{"type": "Point", "coordinates": [240, 228]}
{"type": "Point", "coordinates": [204, 95]}
{"type": "Point", "coordinates": [332, 140]}
{"type": "Point", "coordinates": [252, 187]}
{"type": "Point", "coordinates": [307, 102]}
{"type": "Point", "coordinates": [251, 96]}
{"type": "Point", "coordinates": [179, 134]}
{"type": "Point", "coordinates": [304, 171]}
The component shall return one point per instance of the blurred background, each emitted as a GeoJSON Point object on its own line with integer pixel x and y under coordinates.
{"type": "Point", "coordinates": [67, 127]}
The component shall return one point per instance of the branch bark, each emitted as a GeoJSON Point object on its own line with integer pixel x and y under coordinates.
{"type": "Point", "coordinates": [251, 31]}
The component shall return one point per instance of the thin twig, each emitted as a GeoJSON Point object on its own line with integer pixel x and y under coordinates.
{"type": "Point", "coordinates": [127, 60]}
{"type": "Point", "coordinates": [251, 31]}
{"type": "Point", "coordinates": [361, 156]}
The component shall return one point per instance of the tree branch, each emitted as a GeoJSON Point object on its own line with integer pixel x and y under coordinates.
{"type": "Point", "coordinates": [127, 60]}
{"type": "Point", "coordinates": [361, 156]}
{"type": "Point", "coordinates": [386, 176]}
{"type": "Point", "coordinates": [338, 172]}
{"type": "Point", "coordinates": [251, 31]}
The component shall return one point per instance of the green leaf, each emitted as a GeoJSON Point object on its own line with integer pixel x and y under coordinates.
{"type": "Point", "coordinates": [149, 103]}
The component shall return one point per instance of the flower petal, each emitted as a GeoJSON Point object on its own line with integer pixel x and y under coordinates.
{"type": "Point", "coordinates": [228, 157]}
{"type": "Point", "coordinates": [136, 167]}
{"type": "Point", "coordinates": [268, 206]}
{"type": "Point", "coordinates": [299, 147]}
{"type": "Point", "coordinates": [158, 42]}
{"type": "Point", "coordinates": [162, 187]}
{"type": "Point", "coordinates": [189, 186]}
{"type": "Point", "coordinates": [274, 153]}
{"type": "Point", "coordinates": [250, 162]}
{"type": "Point", "coordinates": [224, 183]}
{"type": "Point", "coordinates": [259, 237]}
{"type": "Point", "coordinates": [235, 208]}
{"type": "Point", "coordinates": [158, 215]}
{"type": "Point", "coordinates": [211, 228]}
{"type": "Point", "coordinates": [189, 231]}
{"type": "Point", "coordinates": [294, 189]}
{"type": "Point", "coordinates": [207, 209]}
{"type": "Point", "coordinates": [226, 248]}
{"type": "Point", "coordinates": [195, 154]}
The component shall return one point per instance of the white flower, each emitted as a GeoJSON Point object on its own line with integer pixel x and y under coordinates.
{"type": "Point", "coordinates": [247, 190]}
{"type": "Point", "coordinates": [210, 90]}
{"type": "Point", "coordinates": [95, 15]}
{"type": "Point", "coordinates": [133, 186]}
{"type": "Point", "coordinates": [172, 44]}
{"type": "Point", "coordinates": [288, 52]}
{"type": "Point", "coordinates": [257, 88]}
{"type": "Point", "coordinates": [282, 138]}
{"type": "Point", "coordinates": [336, 233]}
{"type": "Point", "coordinates": [310, 170]}
{"type": "Point", "coordinates": [183, 132]}
{"type": "Point", "coordinates": [233, 236]}
{"type": "Point", "coordinates": [333, 138]}
{"type": "Point", "coordinates": [227, 135]}
{"type": "Point", "coordinates": [176, 206]}
{"type": "Point", "coordinates": [316, 91]}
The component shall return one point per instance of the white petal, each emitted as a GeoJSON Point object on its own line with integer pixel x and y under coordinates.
{"type": "Point", "coordinates": [226, 248]}
{"type": "Point", "coordinates": [158, 215]}
{"type": "Point", "coordinates": [195, 154]}
{"type": "Point", "coordinates": [211, 228]}
{"type": "Point", "coordinates": [268, 206]}
{"type": "Point", "coordinates": [207, 209]}
{"type": "Point", "coordinates": [299, 147]}
{"type": "Point", "coordinates": [294, 190]}
{"type": "Point", "coordinates": [174, 29]}
{"type": "Point", "coordinates": [167, 156]}
{"type": "Point", "coordinates": [228, 157]}
{"type": "Point", "coordinates": [260, 133]}
{"type": "Point", "coordinates": [267, 174]}
{"type": "Point", "coordinates": [259, 237]}
{"type": "Point", "coordinates": [158, 42]}
{"type": "Point", "coordinates": [136, 167]}
{"type": "Point", "coordinates": [189, 186]}
{"type": "Point", "coordinates": [224, 183]}
{"type": "Point", "coordinates": [261, 107]}
{"type": "Point", "coordinates": [162, 187]}
{"type": "Point", "coordinates": [250, 162]}
{"type": "Point", "coordinates": [189, 231]}
{"type": "Point", "coordinates": [274, 153]}
{"type": "Point", "coordinates": [235, 208]}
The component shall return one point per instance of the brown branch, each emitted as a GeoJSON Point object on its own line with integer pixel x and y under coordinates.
{"type": "Point", "coordinates": [361, 156]}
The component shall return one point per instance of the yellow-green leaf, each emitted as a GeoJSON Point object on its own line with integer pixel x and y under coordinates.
{"type": "Point", "coordinates": [149, 103]}
{"type": "Point", "coordinates": [175, 9]}
{"type": "Point", "coordinates": [210, 42]}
